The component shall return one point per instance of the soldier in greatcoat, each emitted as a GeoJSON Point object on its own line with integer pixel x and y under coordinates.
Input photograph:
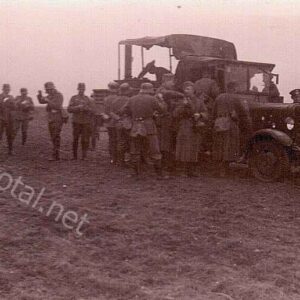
{"type": "Point", "coordinates": [191, 115]}
{"type": "Point", "coordinates": [165, 122]}
{"type": "Point", "coordinates": [231, 115]}
{"type": "Point", "coordinates": [7, 108]}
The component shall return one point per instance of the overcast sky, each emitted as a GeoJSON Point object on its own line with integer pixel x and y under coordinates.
{"type": "Point", "coordinates": [76, 41]}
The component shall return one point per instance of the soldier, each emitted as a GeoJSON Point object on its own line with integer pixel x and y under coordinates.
{"type": "Point", "coordinates": [124, 123]}
{"type": "Point", "coordinates": [109, 113]}
{"type": "Point", "coordinates": [54, 101]}
{"type": "Point", "coordinates": [228, 114]}
{"type": "Point", "coordinates": [143, 133]}
{"type": "Point", "coordinates": [191, 115]}
{"type": "Point", "coordinates": [150, 68]}
{"type": "Point", "coordinates": [165, 122]}
{"type": "Point", "coordinates": [23, 114]}
{"type": "Point", "coordinates": [295, 95]}
{"type": "Point", "coordinates": [82, 108]}
{"type": "Point", "coordinates": [207, 88]}
{"type": "Point", "coordinates": [7, 107]}
{"type": "Point", "coordinates": [271, 88]}
{"type": "Point", "coordinates": [94, 126]}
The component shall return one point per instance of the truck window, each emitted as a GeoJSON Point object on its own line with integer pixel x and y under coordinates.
{"type": "Point", "coordinates": [258, 79]}
{"type": "Point", "coordinates": [239, 74]}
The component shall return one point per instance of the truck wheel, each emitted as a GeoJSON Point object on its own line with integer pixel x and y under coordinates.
{"type": "Point", "coordinates": [269, 161]}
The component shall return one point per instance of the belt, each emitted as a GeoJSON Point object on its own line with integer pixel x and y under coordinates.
{"type": "Point", "coordinates": [54, 110]}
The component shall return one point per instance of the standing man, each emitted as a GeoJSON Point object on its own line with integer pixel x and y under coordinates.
{"type": "Point", "coordinates": [143, 133]}
{"type": "Point", "coordinates": [109, 102]}
{"type": "Point", "coordinates": [82, 109]}
{"type": "Point", "coordinates": [23, 114]}
{"type": "Point", "coordinates": [230, 114]}
{"type": "Point", "coordinates": [191, 115]}
{"type": "Point", "coordinates": [7, 106]}
{"type": "Point", "coordinates": [165, 122]}
{"type": "Point", "coordinates": [94, 126]}
{"type": "Point", "coordinates": [124, 123]}
{"type": "Point", "coordinates": [54, 101]}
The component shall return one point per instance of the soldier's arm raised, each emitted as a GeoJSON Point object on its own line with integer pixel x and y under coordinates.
{"type": "Point", "coordinates": [41, 99]}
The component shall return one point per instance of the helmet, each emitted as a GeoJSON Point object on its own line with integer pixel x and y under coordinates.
{"type": "Point", "coordinates": [113, 86]}
{"type": "Point", "coordinates": [49, 85]}
{"type": "Point", "coordinates": [147, 88]}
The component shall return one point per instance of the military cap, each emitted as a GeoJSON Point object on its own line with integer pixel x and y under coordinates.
{"type": "Point", "coordinates": [124, 86]}
{"type": "Point", "coordinates": [147, 88]}
{"type": "Point", "coordinates": [113, 85]}
{"type": "Point", "coordinates": [23, 90]}
{"type": "Point", "coordinates": [49, 85]}
{"type": "Point", "coordinates": [81, 85]}
{"type": "Point", "coordinates": [187, 84]}
{"type": "Point", "coordinates": [5, 86]}
{"type": "Point", "coordinates": [295, 92]}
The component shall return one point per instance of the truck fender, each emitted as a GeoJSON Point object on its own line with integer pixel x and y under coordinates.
{"type": "Point", "coordinates": [279, 136]}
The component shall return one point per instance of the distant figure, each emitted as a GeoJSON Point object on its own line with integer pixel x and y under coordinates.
{"type": "Point", "coordinates": [54, 101]}
{"type": "Point", "coordinates": [81, 107]}
{"type": "Point", "coordinates": [295, 95]}
{"type": "Point", "coordinates": [271, 89]}
{"type": "Point", "coordinates": [23, 114]}
{"type": "Point", "coordinates": [152, 69]}
{"type": "Point", "coordinates": [7, 106]}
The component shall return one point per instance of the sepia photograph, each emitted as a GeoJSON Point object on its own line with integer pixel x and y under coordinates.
{"type": "Point", "coordinates": [149, 150]}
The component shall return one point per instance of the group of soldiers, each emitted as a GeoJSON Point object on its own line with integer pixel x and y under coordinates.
{"type": "Point", "coordinates": [16, 113]}
{"type": "Point", "coordinates": [173, 129]}
{"type": "Point", "coordinates": [162, 127]}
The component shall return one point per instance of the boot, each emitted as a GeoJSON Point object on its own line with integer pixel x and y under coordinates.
{"type": "Point", "coordinates": [57, 155]}
{"type": "Point", "coordinates": [158, 169]}
{"type": "Point", "coordinates": [191, 169]}
{"type": "Point", "coordinates": [75, 154]}
{"type": "Point", "coordinates": [83, 154]}
{"type": "Point", "coordinates": [24, 138]}
{"type": "Point", "coordinates": [136, 169]}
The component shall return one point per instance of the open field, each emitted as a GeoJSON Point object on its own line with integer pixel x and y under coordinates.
{"type": "Point", "coordinates": [205, 238]}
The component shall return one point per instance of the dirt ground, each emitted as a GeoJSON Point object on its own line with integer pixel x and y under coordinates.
{"type": "Point", "coordinates": [204, 238]}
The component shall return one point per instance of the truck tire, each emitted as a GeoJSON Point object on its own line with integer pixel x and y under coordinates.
{"type": "Point", "coordinates": [269, 161]}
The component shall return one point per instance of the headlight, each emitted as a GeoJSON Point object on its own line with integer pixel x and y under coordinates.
{"type": "Point", "coordinates": [290, 123]}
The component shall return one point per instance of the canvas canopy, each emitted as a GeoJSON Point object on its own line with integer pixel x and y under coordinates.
{"type": "Point", "coordinates": [184, 44]}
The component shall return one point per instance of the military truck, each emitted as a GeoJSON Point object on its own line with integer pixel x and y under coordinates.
{"type": "Point", "coordinates": [273, 147]}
